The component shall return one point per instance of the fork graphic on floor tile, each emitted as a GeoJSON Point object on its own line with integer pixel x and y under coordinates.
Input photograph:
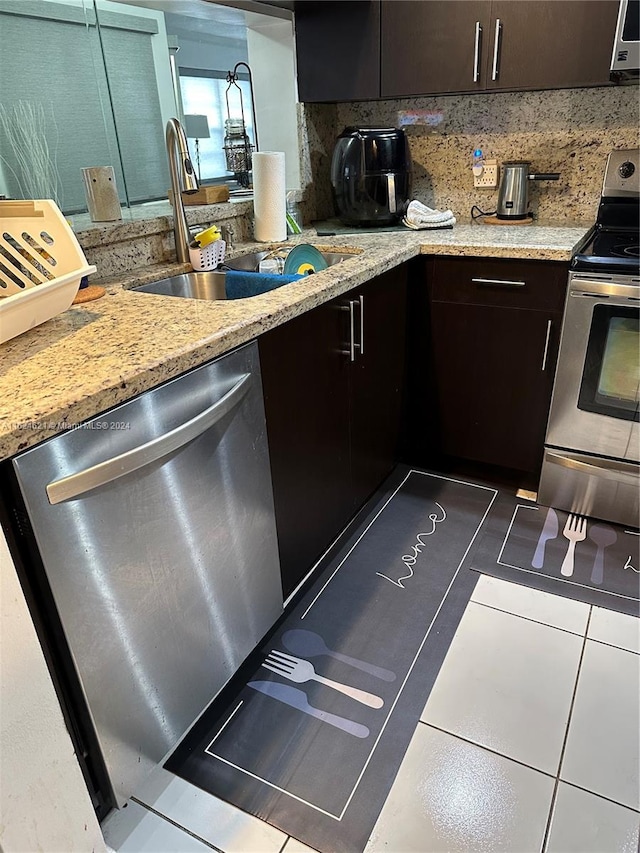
{"type": "Point", "coordinates": [575, 530]}
{"type": "Point", "coordinates": [300, 671]}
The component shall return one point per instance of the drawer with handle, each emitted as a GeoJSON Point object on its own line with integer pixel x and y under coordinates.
{"type": "Point", "coordinates": [501, 282]}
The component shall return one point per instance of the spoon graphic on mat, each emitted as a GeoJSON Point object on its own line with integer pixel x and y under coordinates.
{"type": "Point", "coordinates": [309, 645]}
{"type": "Point", "coordinates": [603, 536]}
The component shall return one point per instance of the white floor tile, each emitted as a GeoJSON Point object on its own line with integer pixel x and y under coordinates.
{"type": "Point", "coordinates": [532, 604]}
{"type": "Point", "coordinates": [616, 629]}
{"type": "Point", "coordinates": [452, 796]}
{"type": "Point", "coordinates": [584, 823]}
{"type": "Point", "coordinates": [506, 683]}
{"type": "Point", "coordinates": [219, 823]}
{"type": "Point", "coordinates": [137, 830]}
{"type": "Point", "coordinates": [603, 746]}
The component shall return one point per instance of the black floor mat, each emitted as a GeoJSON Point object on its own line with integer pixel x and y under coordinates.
{"type": "Point", "coordinates": [317, 760]}
{"type": "Point", "coordinates": [526, 543]}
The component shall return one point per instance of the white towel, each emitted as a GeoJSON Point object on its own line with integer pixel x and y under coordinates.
{"type": "Point", "coordinates": [419, 216]}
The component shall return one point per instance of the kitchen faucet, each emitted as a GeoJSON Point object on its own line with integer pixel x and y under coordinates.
{"type": "Point", "coordinates": [183, 179]}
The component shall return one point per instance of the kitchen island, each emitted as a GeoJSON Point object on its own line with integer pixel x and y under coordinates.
{"type": "Point", "coordinates": [99, 354]}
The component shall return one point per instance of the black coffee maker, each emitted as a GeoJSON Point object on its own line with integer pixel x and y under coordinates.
{"type": "Point", "coordinates": [371, 175]}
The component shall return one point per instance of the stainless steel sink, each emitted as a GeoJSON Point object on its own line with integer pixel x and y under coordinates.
{"type": "Point", "coordinates": [251, 261]}
{"type": "Point", "coordinates": [213, 285]}
{"type": "Point", "coordinates": [190, 285]}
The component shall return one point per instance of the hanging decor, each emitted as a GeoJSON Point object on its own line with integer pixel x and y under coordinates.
{"type": "Point", "coordinates": [237, 145]}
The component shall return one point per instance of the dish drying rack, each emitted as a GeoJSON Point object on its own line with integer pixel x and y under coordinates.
{"type": "Point", "coordinates": [41, 265]}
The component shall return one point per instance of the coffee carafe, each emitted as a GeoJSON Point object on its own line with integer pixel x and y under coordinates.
{"type": "Point", "coordinates": [513, 195]}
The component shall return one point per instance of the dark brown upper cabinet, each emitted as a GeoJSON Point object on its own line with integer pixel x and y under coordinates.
{"type": "Point", "coordinates": [368, 49]}
{"type": "Point", "coordinates": [433, 46]}
{"type": "Point", "coordinates": [445, 46]}
{"type": "Point", "coordinates": [338, 50]}
{"type": "Point", "coordinates": [549, 44]}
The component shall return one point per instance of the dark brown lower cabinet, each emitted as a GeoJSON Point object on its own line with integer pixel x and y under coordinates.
{"type": "Point", "coordinates": [495, 328]}
{"type": "Point", "coordinates": [333, 424]}
{"type": "Point", "coordinates": [377, 382]}
{"type": "Point", "coordinates": [305, 381]}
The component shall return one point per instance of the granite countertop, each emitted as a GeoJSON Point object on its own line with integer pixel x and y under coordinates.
{"type": "Point", "coordinates": [99, 354]}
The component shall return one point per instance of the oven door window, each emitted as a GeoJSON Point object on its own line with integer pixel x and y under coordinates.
{"type": "Point", "coordinates": [631, 25]}
{"type": "Point", "coordinates": [611, 376]}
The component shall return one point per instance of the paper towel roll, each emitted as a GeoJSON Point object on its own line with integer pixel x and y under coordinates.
{"type": "Point", "coordinates": [269, 196]}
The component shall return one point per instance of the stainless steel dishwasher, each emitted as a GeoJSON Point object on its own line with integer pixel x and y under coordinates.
{"type": "Point", "coordinates": [156, 533]}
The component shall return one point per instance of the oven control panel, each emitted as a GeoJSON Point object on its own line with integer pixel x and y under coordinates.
{"type": "Point", "coordinates": [622, 175]}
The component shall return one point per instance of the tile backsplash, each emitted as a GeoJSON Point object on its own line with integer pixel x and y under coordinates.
{"type": "Point", "coordinates": [570, 131]}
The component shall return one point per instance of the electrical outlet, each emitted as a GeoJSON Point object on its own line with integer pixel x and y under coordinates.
{"type": "Point", "coordinates": [488, 179]}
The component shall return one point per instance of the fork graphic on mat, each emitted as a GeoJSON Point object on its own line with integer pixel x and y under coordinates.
{"type": "Point", "coordinates": [299, 671]}
{"type": "Point", "coordinates": [575, 530]}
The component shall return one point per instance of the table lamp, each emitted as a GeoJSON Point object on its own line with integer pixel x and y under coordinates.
{"type": "Point", "coordinates": [197, 127]}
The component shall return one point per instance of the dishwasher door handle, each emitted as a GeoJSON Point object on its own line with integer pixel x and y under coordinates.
{"type": "Point", "coordinates": [76, 485]}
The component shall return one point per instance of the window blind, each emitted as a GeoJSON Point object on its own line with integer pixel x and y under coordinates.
{"type": "Point", "coordinates": [50, 55]}
{"type": "Point", "coordinates": [50, 62]}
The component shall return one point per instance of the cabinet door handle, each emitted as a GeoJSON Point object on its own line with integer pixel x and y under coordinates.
{"type": "Point", "coordinates": [352, 329]}
{"type": "Point", "coordinates": [361, 344]}
{"type": "Point", "coordinates": [353, 346]}
{"type": "Point", "coordinates": [546, 346]}
{"type": "Point", "coordinates": [497, 282]}
{"type": "Point", "coordinates": [496, 50]}
{"type": "Point", "coordinates": [351, 352]}
{"type": "Point", "coordinates": [476, 52]}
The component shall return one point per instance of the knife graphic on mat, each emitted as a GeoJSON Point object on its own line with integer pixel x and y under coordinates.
{"type": "Point", "coordinates": [549, 531]}
{"type": "Point", "coordinates": [298, 699]}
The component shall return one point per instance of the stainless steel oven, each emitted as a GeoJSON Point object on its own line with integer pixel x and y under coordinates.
{"type": "Point", "coordinates": [592, 453]}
